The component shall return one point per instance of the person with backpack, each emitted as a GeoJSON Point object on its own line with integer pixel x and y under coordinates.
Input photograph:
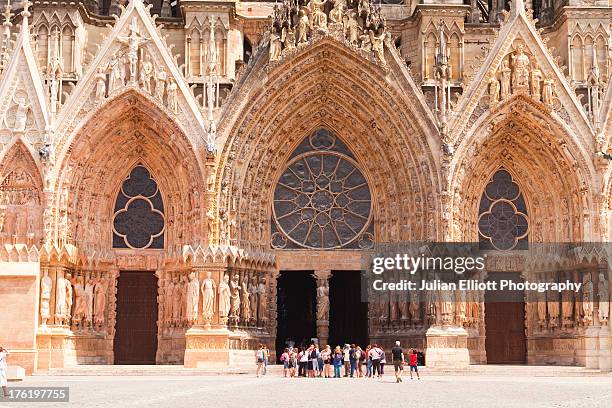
{"type": "Point", "coordinates": [397, 354]}
{"type": "Point", "coordinates": [259, 359]}
{"type": "Point", "coordinates": [337, 360]}
{"type": "Point", "coordinates": [293, 362]}
{"type": "Point", "coordinates": [284, 358]}
{"type": "Point", "coordinates": [413, 361]}
{"type": "Point", "coordinates": [375, 354]}
{"type": "Point", "coordinates": [353, 359]}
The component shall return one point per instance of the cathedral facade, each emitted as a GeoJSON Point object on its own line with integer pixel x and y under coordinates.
{"type": "Point", "coordinates": [181, 181]}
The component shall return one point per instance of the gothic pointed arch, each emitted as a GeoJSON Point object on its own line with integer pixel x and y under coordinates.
{"type": "Point", "coordinates": [20, 197]}
{"type": "Point", "coordinates": [388, 129]}
{"type": "Point", "coordinates": [130, 132]}
{"type": "Point", "coordinates": [322, 200]}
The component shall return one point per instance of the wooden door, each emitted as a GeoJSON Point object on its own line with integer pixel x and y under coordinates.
{"type": "Point", "coordinates": [136, 326]}
{"type": "Point", "coordinates": [505, 341]}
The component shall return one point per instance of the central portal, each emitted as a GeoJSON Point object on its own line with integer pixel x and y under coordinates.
{"type": "Point", "coordinates": [296, 305]}
{"type": "Point", "coordinates": [136, 327]}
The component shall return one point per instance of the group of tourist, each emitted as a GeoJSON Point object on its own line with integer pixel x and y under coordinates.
{"type": "Point", "coordinates": [313, 362]}
{"type": "Point", "coordinates": [262, 355]}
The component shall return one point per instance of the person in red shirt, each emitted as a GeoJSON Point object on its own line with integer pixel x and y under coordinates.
{"type": "Point", "coordinates": [413, 361]}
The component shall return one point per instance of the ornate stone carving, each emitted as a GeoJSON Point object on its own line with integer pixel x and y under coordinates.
{"type": "Point", "coordinates": [224, 299]}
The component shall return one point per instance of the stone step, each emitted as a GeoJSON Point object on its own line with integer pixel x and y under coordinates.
{"type": "Point", "coordinates": [276, 370]}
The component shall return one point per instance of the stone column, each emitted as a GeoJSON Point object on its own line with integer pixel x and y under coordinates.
{"type": "Point", "coordinates": [322, 276]}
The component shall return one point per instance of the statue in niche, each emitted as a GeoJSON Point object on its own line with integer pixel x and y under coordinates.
{"type": "Point", "coordinates": [587, 300]}
{"type": "Point", "coordinates": [117, 73]}
{"type": "Point", "coordinates": [404, 305]}
{"type": "Point", "coordinates": [547, 91]}
{"type": "Point", "coordinates": [160, 84]}
{"type": "Point", "coordinates": [494, 90]}
{"type": "Point", "coordinates": [146, 73]}
{"type": "Point", "coordinates": [394, 312]}
{"type": "Point", "coordinates": [176, 301]}
{"type": "Point", "coordinates": [275, 44]}
{"type": "Point", "coordinates": [80, 303]}
{"type": "Point", "coordinates": [68, 289]}
{"type": "Point", "coordinates": [133, 41]}
{"type": "Point", "coordinates": [208, 297]}
{"type": "Point", "coordinates": [366, 44]}
{"type": "Point", "coordinates": [384, 305]}
{"type": "Point", "coordinates": [262, 301]}
{"type": "Point", "coordinates": [253, 298]}
{"type": "Point", "coordinates": [182, 315]}
{"type": "Point", "coordinates": [553, 307]}
{"type": "Point", "coordinates": [303, 25]}
{"type": "Point", "coordinates": [21, 116]}
{"type": "Point", "coordinates": [89, 297]}
{"type": "Point", "coordinates": [60, 300]}
{"type": "Point", "coordinates": [46, 286]}
{"type": "Point", "coordinates": [351, 27]}
{"type": "Point", "coordinates": [567, 307]}
{"type": "Point", "coordinates": [323, 300]}
{"type": "Point", "coordinates": [319, 18]}
{"type": "Point", "coordinates": [603, 292]}
{"type": "Point", "coordinates": [224, 299]}
{"type": "Point", "coordinates": [168, 303]}
{"type": "Point", "coordinates": [536, 83]}
{"type": "Point", "coordinates": [415, 310]}
{"type": "Point", "coordinates": [171, 100]}
{"type": "Point", "coordinates": [100, 84]}
{"type": "Point", "coordinates": [520, 62]}
{"type": "Point", "coordinates": [337, 12]}
{"type": "Point", "coordinates": [446, 297]}
{"type": "Point", "coordinates": [246, 304]}
{"type": "Point", "coordinates": [100, 301]}
{"type": "Point", "coordinates": [461, 307]}
{"type": "Point", "coordinates": [377, 40]}
{"type": "Point", "coordinates": [235, 297]}
{"type": "Point", "coordinates": [505, 79]}
{"type": "Point", "coordinates": [193, 298]}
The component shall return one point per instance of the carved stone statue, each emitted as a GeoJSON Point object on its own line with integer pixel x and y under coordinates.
{"type": "Point", "coordinates": [253, 298]}
{"type": "Point", "coordinates": [172, 101]}
{"type": "Point", "coordinates": [100, 301]}
{"type": "Point", "coordinates": [494, 90]}
{"type": "Point", "coordinates": [567, 307]}
{"type": "Point", "coordinates": [319, 18]}
{"type": "Point", "coordinates": [262, 311]}
{"type": "Point", "coordinates": [168, 312]}
{"type": "Point", "coordinates": [182, 315]}
{"type": "Point", "coordinates": [60, 300]}
{"type": "Point", "coordinates": [21, 116]}
{"type": "Point", "coordinates": [553, 307]}
{"type": "Point", "coordinates": [176, 301]}
{"type": "Point", "coordinates": [505, 79]}
{"type": "Point", "coordinates": [160, 84]}
{"type": "Point", "coordinates": [46, 286]}
{"type": "Point", "coordinates": [351, 27]}
{"type": "Point", "coordinates": [603, 292]}
{"type": "Point", "coordinates": [520, 63]}
{"type": "Point", "coordinates": [134, 41]}
{"type": "Point", "coordinates": [100, 84]}
{"type": "Point", "coordinates": [587, 300]}
{"type": "Point", "coordinates": [224, 299]}
{"type": "Point", "coordinates": [415, 310]}
{"type": "Point", "coordinates": [323, 301]}
{"type": "Point", "coordinates": [208, 297]}
{"type": "Point", "coordinates": [275, 44]}
{"type": "Point", "coordinates": [547, 91]}
{"type": "Point", "coordinates": [68, 287]}
{"type": "Point", "coordinates": [89, 299]}
{"type": "Point", "coordinates": [536, 83]}
{"type": "Point", "coordinates": [235, 297]}
{"type": "Point", "coordinates": [337, 12]}
{"type": "Point", "coordinates": [193, 298]}
{"type": "Point", "coordinates": [117, 73]}
{"type": "Point", "coordinates": [146, 73]}
{"type": "Point", "coordinates": [246, 304]}
{"type": "Point", "coordinates": [303, 26]}
{"type": "Point", "coordinates": [446, 303]}
{"type": "Point", "coordinates": [378, 40]}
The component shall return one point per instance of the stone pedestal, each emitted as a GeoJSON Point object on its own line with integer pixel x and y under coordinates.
{"type": "Point", "coordinates": [55, 348]}
{"type": "Point", "coordinates": [605, 349]}
{"type": "Point", "coordinates": [591, 347]}
{"type": "Point", "coordinates": [207, 347]}
{"type": "Point", "coordinates": [323, 332]}
{"type": "Point", "coordinates": [446, 348]}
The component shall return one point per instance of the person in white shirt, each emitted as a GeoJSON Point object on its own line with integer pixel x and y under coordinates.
{"type": "Point", "coordinates": [347, 359]}
{"type": "Point", "coordinates": [375, 355]}
{"type": "Point", "coordinates": [3, 368]}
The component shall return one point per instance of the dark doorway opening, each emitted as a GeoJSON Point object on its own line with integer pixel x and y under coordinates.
{"type": "Point", "coordinates": [505, 341]}
{"type": "Point", "coordinates": [136, 327]}
{"type": "Point", "coordinates": [296, 308]}
{"type": "Point", "coordinates": [348, 315]}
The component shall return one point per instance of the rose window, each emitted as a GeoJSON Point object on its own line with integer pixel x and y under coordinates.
{"type": "Point", "coordinates": [138, 220]}
{"type": "Point", "coordinates": [503, 222]}
{"type": "Point", "coordinates": [322, 200]}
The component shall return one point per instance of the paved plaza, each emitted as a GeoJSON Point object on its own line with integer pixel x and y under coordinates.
{"type": "Point", "coordinates": [274, 391]}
